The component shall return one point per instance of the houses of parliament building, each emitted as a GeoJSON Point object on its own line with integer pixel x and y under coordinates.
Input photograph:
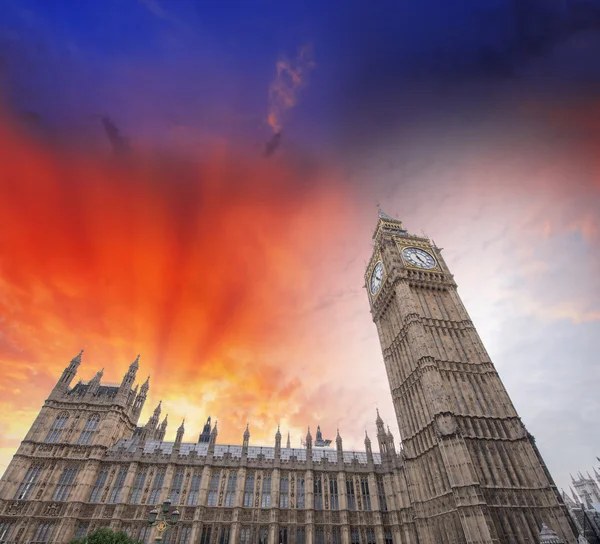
{"type": "Point", "coordinates": [466, 470]}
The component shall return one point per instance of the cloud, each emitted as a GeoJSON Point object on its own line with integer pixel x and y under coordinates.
{"type": "Point", "coordinates": [291, 77]}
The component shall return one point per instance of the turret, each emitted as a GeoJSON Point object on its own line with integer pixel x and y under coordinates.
{"type": "Point", "coordinates": [129, 379]}
{"type": "Point", "coordinates": [308, 441]}
{"type": "Point", "coordinates": [180, 433]}
{"type": "Point", "coordinates": [368, 448]}
{"type": "Point", "coordinates": [140, 399]}
{"type": "Point", "coordinates": [132, 395]}
{"type": "Point", "coordinates": [246, 441]}
{"type": "Point", "coordinates": [213, 439]}
{"type": "Point", "coordinates": [94, 384]}
{"type": "Point", "coordinates": [204, 437]}
{"type": "Point", "coordinates": [289, 444]}
{"type": "Point", "coordinates": [319, 437]}
{"type": "Point", "coordinates": [382, 437]}
{"type": "Point", "coordinates": [152, 424]}
{"type": "Point", "coordinates": [277, 443]}
{"type": "Point", "coordinates": [340, 449]}
{"type": "Point", "coordinates": [160, 434]}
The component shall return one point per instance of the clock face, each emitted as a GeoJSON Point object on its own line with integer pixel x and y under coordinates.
{"type": "Point", "coordinates": [418, 257]}
{"type": "Point", "coordinates": [376, 278]}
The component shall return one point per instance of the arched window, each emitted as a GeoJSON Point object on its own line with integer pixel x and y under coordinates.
{"type": "Point", "coordinates": [57, 428]}
{"type": "Point", "coordinates": [29, 481]}
{"type": "Point", "coordinates": [91, 426]}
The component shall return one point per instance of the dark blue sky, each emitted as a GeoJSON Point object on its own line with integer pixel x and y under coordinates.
{"type": "Point", "coordinates": [150, 65]}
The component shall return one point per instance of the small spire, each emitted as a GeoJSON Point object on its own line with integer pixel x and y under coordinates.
{"type": "Point", "coordinates": [146, 385]}
{"type": "Point", "coordinates": [278, 433]}
{"type": "Point", "coordinates": [378, 421]}
{"type": "Point", "coordinates": [182, 426]}
{"type": "Point", "coordinates": [247, 431]}
{"type": "Point", "coordinates": [77, 358]}
{"type": "Point", "coordinates": [214, 431]}
{"type": "Point", "coordinates": [135, 363]}
{"type": "Point", "coordinates": [367, 439]}
{"type": "Point", "coordinates": [289, 444]}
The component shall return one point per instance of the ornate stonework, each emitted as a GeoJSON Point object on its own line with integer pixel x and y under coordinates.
{"type": "Point", "coordinates": [467, 470]}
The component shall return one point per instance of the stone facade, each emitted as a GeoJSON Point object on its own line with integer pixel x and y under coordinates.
{"type": "Point", "coordinates": [467, 470]}
{"type": "Point", "coordinates": [474, 473]}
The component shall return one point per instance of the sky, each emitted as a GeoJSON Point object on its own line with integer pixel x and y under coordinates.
{"type": "Point", "coordinates": [197, 182]}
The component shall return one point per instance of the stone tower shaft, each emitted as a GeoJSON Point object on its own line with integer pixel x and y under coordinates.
{"type": "Point", "coordinates": [467, 451]}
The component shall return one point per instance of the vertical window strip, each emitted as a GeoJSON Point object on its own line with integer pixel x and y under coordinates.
{"type": "Point", "coordinates": [44, 531]}
{"type": "Point", "coordinates": [26, 487]}
{"type": "Point", "coordinates": [57, 428]}
{"type": "Point", "coordinates": [138, 487]}
{"type": "Point", "coordinates": [5, 530]}
{"type": "Point", "coordinates": [319, 535]}
{"type": "Point", "coordinates": [115, 494]}
{"type": "Point", "coordinates": [144, 534]}
{"type": "Point", "coordinates": [318, 492]}
{"type": "Point", "coordinates": [333, 494]}
{"type": "Point", "coordinates": [300, 535]}
{"type": "Point", "coordinates": [388, 537]}
{"type": "Point", "coordinates": [266, 492]}
{"type": "Point", "coordinates": [90, 428]}
{"type": "Point", "coordinates": [371, 535]}
{"type": "Point", "coordinates": [350, 494]}
{"type": "Point", "coordinates": [381, 494]}
{"type": "Point", "coordinates": [65, 483]}
{"type": "Point", "coordinates": [192, 499]}
{"type": "Point", "coordinates": [284, 490]}
{"type": "Point", "coordinates": [283, 535]}
{"type": "Point", "coordinates": [81, 531]}
{"type": "Point", "coordinates": [263, 535]}
{"type": "Point", "coordinates": [364, 491]}
{"type": "Point", "coordinates": [336, 534]}
{"type": "Point", "coordinates": [157, 487]}
{"type": "Point", "coordinates": [231, 485]}
{"type": "Point", "coordinates": [249, 490]}
{"type": "Point", "coordinates": [176, 487]}
{"type": "Point", "coordinates": [300, 492]}
{"type": "Point", "coordinates": [185, 535]}
{"type": "Point", "coordinates": [213, 488]}
{"type": "Point", "coordinates": [354, 535]}
{"type": "Point", "coordinates": [205, 536]}
{"type": "Point", "coordinates": [98, 486]}
{"type": "Point", "coordinates": [245, 535]}
{"type": "Point", "coordinates": [224, 536]}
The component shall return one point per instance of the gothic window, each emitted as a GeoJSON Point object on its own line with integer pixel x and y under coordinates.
{"type": "Point", "coordinates": [157, 487]}
{"type": "Point", "coordinates": [300, 493]}
{"type": "Point", "coordinates": [284, 491]}
{"type": "Point", "coordinates": [98, 486]}
{"type": "Point", "coordinates": [249, 490]}
{"type": "Point", "coordinates": [245, 535]}
{"type": "Point", "coordinates": [138, 487]}
{"type": "Point", "coordinates": [205, 536]}
{"type": "Point", "coordinates": [115, 494]}
{"type": "Point", "coordinates": [192, 499]}
{"type": "Point", "coordinates": [364, 491]}
{"type": "Point", "coordinates": [213, 489]}
{"type": "Point", "coordinates": [57, 428]}
{"type": "Point", "coordinates": [319, 535]}
{"type": "Point", "coordinates": [337, 535]}
{"type": "Point", "coordinates": [80, 532]}
{"type": "Point", "coordinates": [43, 532]}
{"type": "Point", "coordinates": [263, 535]}
{"type": "Point", "coordinates": [283, 535]}
{"type": "Point", "coordinates": [144, 534]}
{"type": "Point", "coordinates": [29, 481]}
{"type": "Point", "coordinates": [333, 494]}
{"type": "Point", "coordinates": [300, 535]}
{"type": "Point", "coordinates": [370, 535]}
{"type": "Point", "coordinates": [354, 536]}
{"type": "Point", "coordinates": [5, 530]}
{"type": "Point", "coordinates": [65, 483]}
{"type": "Point", "coordinates": [224, 536]}
{"type": "Point", "coordinates": [231, 485]}
{"type": "Point", "coordinates": [91, 426]}
{"type": "Point", "coordinates": [388, 537]}
{"type": "Point", "coordinates": [318, 489]}
{"type": "Point", "coordinates": [176, 487]}
{"type": "Point", "coordinates": [350, 494]}
{"type": "Point", "coordinates": [381, 494]}
{"type": "Point", "coordinates": [266, 492]}
{"type": "Point", "coordinates": [185, 534]}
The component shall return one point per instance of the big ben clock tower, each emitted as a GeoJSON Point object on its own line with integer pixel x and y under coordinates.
{"type": "Point", "coordinates": [474, 473]}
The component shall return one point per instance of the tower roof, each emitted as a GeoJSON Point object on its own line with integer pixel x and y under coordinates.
{"type": "Point", "coordinates": [382, 215]}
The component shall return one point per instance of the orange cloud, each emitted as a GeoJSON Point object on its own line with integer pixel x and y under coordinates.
{"type": "Point", "coordinates": [283, 91]}
{"type": "Point", "coordinates": [200, 267]}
